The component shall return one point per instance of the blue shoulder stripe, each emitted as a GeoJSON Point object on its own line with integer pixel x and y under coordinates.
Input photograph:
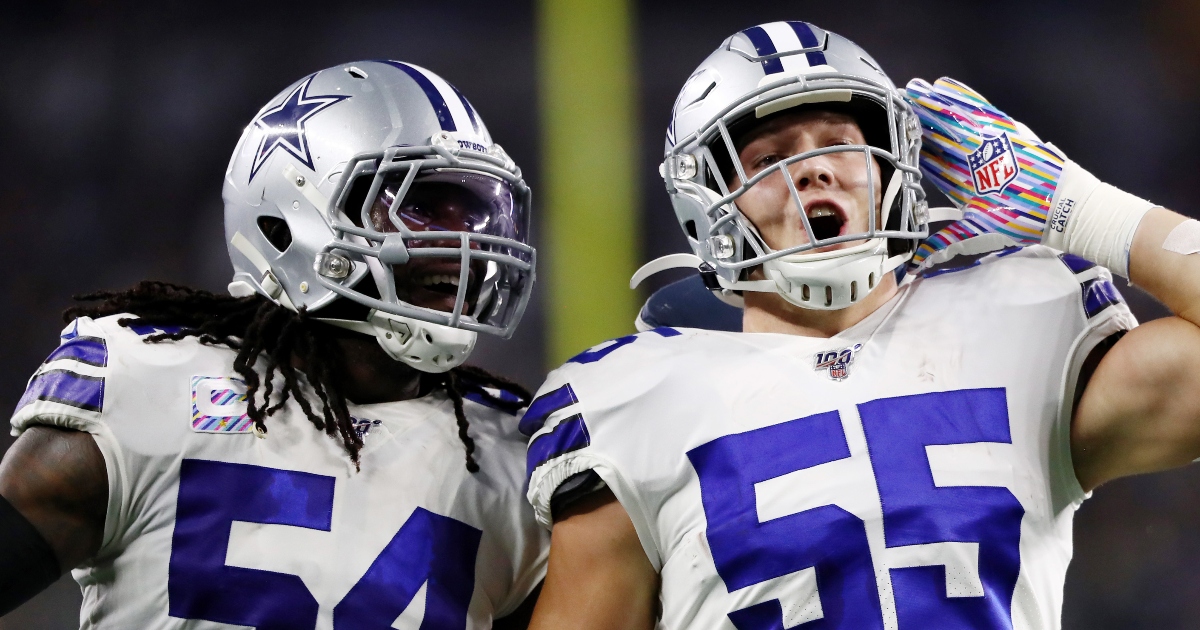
{"type": "Point", "coordinates": [570, 435]}
{"type": "Point", "coordinates": [1099, 294]}
{"type": "Point", "coordinates": [1075, 263]}
{"type": "Point", "coordinates": [68, 388]}
{"type": "Point", "coordinates": [544, 405]}
{"type": "Point", "coordinates": [89, 350]}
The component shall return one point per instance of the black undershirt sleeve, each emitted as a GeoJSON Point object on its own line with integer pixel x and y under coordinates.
{"type": "Point", "coordinates": [576, 487]}
{"type": "Point", "coordinates": [27, 563]}
{"type": "Point", "coordinates": [1092, 362]}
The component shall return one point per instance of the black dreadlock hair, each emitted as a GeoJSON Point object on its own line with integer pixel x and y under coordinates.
{"type": "Point", "coordinates": [256, 327]}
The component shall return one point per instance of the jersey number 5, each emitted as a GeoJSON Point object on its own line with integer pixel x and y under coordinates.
{"type": "Point", "coordinates": [918, 515]}
{"type": "Point", "coordinates": [429, 549]}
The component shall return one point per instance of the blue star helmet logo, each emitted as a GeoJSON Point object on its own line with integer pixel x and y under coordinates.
{"type": "Point", "coordinates": [283, 125]}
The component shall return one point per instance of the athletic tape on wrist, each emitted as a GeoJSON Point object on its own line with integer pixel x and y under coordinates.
{"type": "Point", "coordinates": [1094, 220]}
{"type": "Point", "coordinates": [1074, 186]}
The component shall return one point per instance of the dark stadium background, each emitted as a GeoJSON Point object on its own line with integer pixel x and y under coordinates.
{"type": "Point", "coordinates": [117, 119]}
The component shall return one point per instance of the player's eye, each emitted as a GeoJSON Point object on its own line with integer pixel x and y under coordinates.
{"type": "Point", "coordinates": [764, 161]}
{"type": "Point", "coordinates": [416, 213]}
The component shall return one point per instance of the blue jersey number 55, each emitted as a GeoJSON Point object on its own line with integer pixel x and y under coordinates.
{"type": "Point", "coordinates": [833, 541]}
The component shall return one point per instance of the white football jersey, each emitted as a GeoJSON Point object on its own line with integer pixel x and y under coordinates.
{"type": "Point", "coordinates": [912, 472]}
{"type": "Point", "coordinates": [212, 526]}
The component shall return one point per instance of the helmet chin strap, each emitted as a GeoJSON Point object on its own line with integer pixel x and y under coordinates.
{"type": "Point", "coordinates": [270, 285]}
{"type": "Point", "coordinates": [425, 346]}
{"type": "Point", "coordinates": [889, 196]}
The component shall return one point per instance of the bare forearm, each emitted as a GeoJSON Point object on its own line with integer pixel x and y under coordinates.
{"type": "Point", "coordinates": [1172, 278]}
{"type": "Point", "coordinates": [57, 480]}
{"type": "Point", "coordinates": [1134, 417]}
{"type": "Point", "coordinates": [1138, 414]}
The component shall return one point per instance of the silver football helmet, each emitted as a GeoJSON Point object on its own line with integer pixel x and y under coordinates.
{"type": "Point", "coordinates": [377, 182]}
{"type": "Point", "coordinates": [758, 72]}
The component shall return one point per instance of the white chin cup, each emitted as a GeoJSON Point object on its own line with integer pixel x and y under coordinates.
{"type": "Point", "coordinates": [832, 281]}
{"type": "Point", "coordinates": [423, 345]}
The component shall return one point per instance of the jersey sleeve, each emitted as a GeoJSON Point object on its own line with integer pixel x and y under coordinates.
{"type": "Point", "coordinates": [68, 391]}
{"type": "Point", "coordinates": [579, 415]}
{"type": "Point", "coordinates": [557, 431]}
{"type": "Point", "coordinates": [1104, 318]}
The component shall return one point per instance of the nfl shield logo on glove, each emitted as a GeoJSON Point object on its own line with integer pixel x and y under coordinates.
{"type": "Point", "coordinates": [993, 165]}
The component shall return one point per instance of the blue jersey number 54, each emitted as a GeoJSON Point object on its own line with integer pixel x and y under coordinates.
{"type": "Point", "coordinates": [833, 541]}
{"type": "Point", "coordinates": [429, 549]}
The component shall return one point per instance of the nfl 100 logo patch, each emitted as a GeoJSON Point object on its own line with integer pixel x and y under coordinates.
{"type": "Point", "coordinates": [219, 405]}
{"type": "Point", "coordinates": [837, 362]}
{"type": "Point", "coordinates": [993, 165]}
{"type": "Point", "coordinates": [362, 426]}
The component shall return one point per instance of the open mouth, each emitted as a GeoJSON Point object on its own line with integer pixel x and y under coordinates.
{"type": "Point", "coordinates": [825, 220]}
{"type": "Point", "coordinates": [435, 285]}
{"type": "Point", "coordinates": [444, 284]}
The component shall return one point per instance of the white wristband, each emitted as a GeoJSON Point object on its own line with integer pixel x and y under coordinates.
{"type": "Point", "coordinates": [1093, 220]}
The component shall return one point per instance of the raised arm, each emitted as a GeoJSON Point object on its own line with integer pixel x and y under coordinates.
{"type": "Point", "coordinates": [599, 577]}
{"type": "Point", "coordinates": [55, 494]}
{"type": "Point", "coordinates": [1140, 411]}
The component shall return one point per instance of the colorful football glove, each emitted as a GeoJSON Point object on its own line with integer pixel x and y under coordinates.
{"type": "Point", "coordinates": [997, 171]}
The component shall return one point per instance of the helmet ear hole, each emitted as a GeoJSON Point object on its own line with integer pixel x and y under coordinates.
{"type": "Point", "coordinates": [276, 232]}
{"type": "Point", "coordinates": [690, 228]}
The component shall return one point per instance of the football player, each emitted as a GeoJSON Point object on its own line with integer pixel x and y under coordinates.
{"type": "Point", "coordinates": [877, 449]}
{"type": "Point", "coordinates": [308, 451]}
